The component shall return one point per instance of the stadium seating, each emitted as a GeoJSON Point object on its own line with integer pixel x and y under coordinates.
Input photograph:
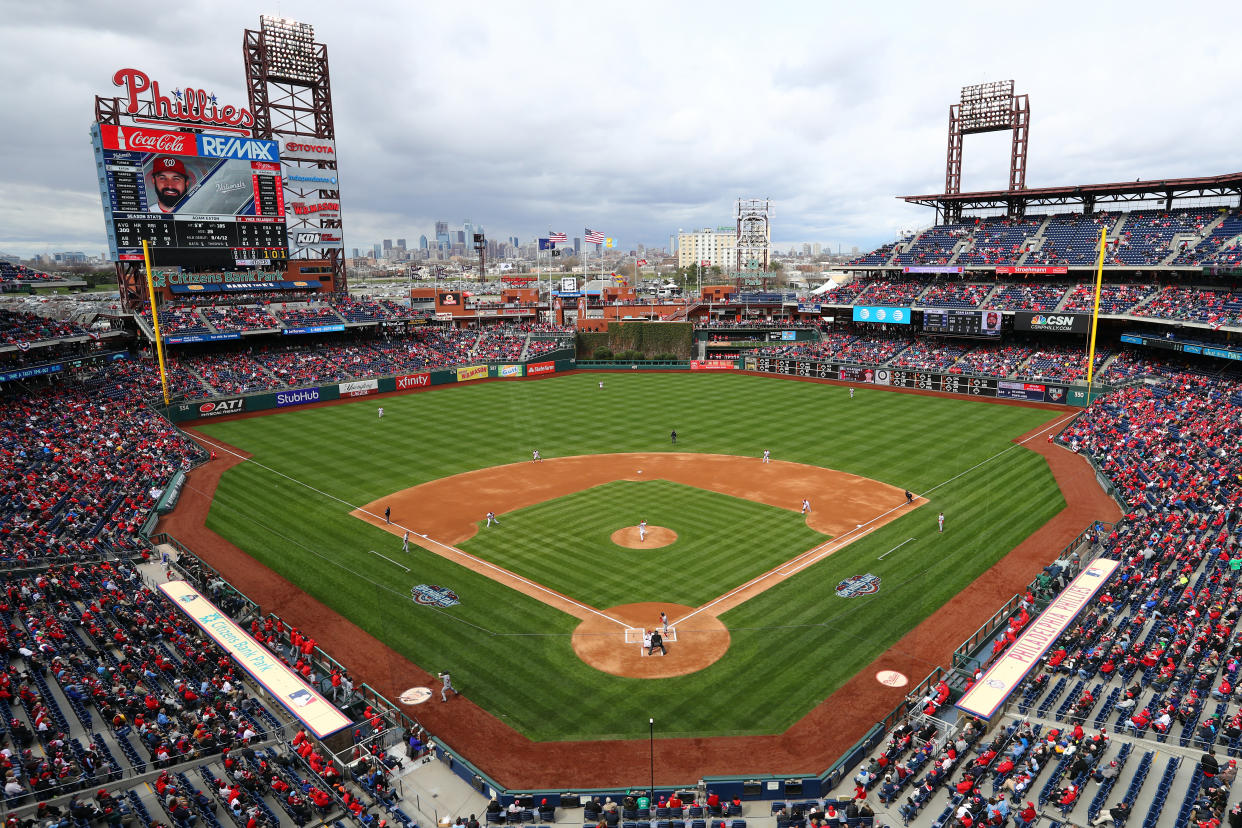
{"type": "Point", "coordinates": [22, 328]}
{"type": "Point", "coordinates": [1213, 307]}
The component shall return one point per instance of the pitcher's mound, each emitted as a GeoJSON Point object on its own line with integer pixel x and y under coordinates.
{"type": "Point", "coordinates": [693, 644]}
{"type": "Point", "coordinates": [657, 536]}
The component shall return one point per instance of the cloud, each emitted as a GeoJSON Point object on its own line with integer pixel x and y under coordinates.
{"type": "Point", "coordinates": [643, 118]}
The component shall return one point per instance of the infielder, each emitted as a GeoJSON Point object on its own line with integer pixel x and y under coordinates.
{"type": "Point", "coordinates": [940, 522]}
{"type": "Point", "coordinates": [447, 687]}
{"type": "Point", "coordinates": [534, 457]}
{"type": "Point", "coordinates": [642, 530]}
{"type": "Point", "coordinates": [381, 412]}
{"type": "Point", "coordinates": [767, 456]}
{"type": "Point", "coordinates": [387, 514]}
{"type": "Point", "coordinates": [806, 506]}
{"type": "Point", "coordinates": [491, 518]}
{"type": "Point", "coordinates": [405, 542]}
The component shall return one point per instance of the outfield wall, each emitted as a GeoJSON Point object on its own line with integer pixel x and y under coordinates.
{"type": "Point", "coordinates": [961, 384]}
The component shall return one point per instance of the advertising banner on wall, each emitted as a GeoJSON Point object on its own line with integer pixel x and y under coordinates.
{"type": "Point", "coordinates": [510, 371]}
{"type": "Point", "coordinates": [413, 381]}
{"type": "Point", "coordinates": [218, 408]}
{"type": "Point", "coordinates": [300, 397]}
{"type": "Point", "coordinates": [540, 368]}
{"type": "Point", "coordinates": [471, 372]}
{"type": "Point", "coordinates": [712, 365]}
{"type": "Point", "coordinates": [1052, 322]}
{"type": "Point", "coordinates": [873, 313]}
{"type": "Point", "coordinates": [1020, 391]}
{"type": "Point", "coordinates": [359, 388]}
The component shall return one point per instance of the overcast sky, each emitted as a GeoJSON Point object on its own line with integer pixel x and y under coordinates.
{"type": "Point", "coordinates": [641, 118]}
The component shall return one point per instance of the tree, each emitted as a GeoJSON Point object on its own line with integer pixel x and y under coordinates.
{"type": "Point", "coordinates": [716, 270]}
{"type": "Point", "coordinates": [776, 267]}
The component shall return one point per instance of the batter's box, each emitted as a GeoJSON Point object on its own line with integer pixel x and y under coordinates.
{"type": "Point", "coordinates": [634, 635]}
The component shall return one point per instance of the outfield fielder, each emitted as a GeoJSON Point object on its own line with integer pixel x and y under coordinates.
{"type": "Point", "coordinates": [381, 412]}
{"type": "Point", "coordinates": [940, 522]}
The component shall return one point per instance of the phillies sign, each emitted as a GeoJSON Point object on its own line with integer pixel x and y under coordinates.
{"type": "Point", "coordinates": [191, 106]}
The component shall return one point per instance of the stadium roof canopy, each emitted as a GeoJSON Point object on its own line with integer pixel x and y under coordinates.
{"type": "Point", "coordinates": [1086, 195]}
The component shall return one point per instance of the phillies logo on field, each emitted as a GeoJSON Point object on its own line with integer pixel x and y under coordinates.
{"type": "Point", "coordinates": [856, 585]}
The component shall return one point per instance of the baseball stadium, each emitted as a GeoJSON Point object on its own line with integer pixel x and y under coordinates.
{"type": "Point", "coordinates": [949, 538]}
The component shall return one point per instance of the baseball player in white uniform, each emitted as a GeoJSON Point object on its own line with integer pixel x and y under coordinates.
{"type": "Point", "coordinates": [642, 530]}
{"type": "Point", "coordinates": [646, 640]}
{"type": "Point", "coordinates": [601, 384]}
{"type": "Point", "coordinates": [940, 522]}
{"type": "Point", "coordinates": [381, 413]}
{"type": "Point", "coordinates": [664, 622]}
{"type": "Point", "coordinates": [806, 506]}
{"type": "Point", "coordinates": [405, 542]}
{"type": "Point", "coordinates": [491, 518]}
{"type": "Point", "coordinates": [767, 456]}
{"type": "Point", "coordinates": [534, 457]}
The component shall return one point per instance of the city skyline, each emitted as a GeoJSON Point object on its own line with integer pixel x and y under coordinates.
{"type": "Point", "coordinates": [482, 120]}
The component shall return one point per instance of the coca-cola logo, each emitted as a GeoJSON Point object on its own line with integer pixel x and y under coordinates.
{"type": "Point", "coordinates": [138, 139]}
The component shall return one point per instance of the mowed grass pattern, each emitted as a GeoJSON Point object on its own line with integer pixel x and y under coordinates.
{"type": "Point", "coordinates": [792, 646]}
{"type": "Point", "coordinates": [733, 539]}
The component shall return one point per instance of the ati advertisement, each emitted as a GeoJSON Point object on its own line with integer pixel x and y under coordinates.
{"type": "Point", "coordinates": [1052, 322]}
{"type": "Point", "coordinates": [208, 200]}
{"type": "Point", "coordinates": [219, 408]}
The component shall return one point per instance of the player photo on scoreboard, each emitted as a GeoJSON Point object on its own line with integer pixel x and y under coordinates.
{"type": "Point", "coordinates": [199, 186]}
{"type": "Point", "coordinates": [991, 322]}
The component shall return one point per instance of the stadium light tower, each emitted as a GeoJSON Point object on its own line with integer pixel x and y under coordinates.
{"type": "Point", "coordinates": [291, 98]}
{"type": "Point", "coordinates": [754, 234]}
{"type": "Point", "coordinates": [988, 107]}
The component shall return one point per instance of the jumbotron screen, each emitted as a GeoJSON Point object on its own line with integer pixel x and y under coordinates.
{"type": "Point", "coordinates": [199, 199]}
{"type": "Point", "coordinates": [962, 322]}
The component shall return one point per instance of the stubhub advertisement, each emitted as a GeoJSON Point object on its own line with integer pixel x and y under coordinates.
{"type": "Point", "coordinates": [300, 397]}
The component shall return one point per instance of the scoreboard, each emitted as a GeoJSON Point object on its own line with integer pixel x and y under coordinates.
{"type": "Point", "coordinates": [962, 322]}
{"type": "Point", "coordinates": [197, 199]}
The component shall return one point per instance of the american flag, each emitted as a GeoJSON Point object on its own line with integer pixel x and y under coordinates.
{"type": "Point", "coordinates": [557, 237]}
{"type": "Point", "coordinates": [593, 237]}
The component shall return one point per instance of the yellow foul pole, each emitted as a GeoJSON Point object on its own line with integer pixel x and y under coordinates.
{"type": "Point", "coordinates": [155, 320]}
{"type": "Point", "coordinates": [1095, 312]}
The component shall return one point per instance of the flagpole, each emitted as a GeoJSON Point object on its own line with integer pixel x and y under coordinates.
{"type": "Point", "coordinates": [1095, 312]}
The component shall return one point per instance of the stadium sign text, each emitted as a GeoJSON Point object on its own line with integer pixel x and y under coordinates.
{"type": "Point", "coordinates": [221, 407]}
{"type": "Point", "coordinates": [540, 368]}
{"type": "Point", "coordinates": [299, 397]}
{"type": "Point", "coordinates": [188, 106]}
{"type": "Point", "coordinates": [413, 381]}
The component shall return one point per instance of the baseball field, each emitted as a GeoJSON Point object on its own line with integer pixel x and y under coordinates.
{"type": "Point", "coordinates": [543, 634]}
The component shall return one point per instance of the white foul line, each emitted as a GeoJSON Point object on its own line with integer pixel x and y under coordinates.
{"type": "Point", "coordinates": [823, 550]}
{"type": "Point", "coordinates": [473, 558]}
{"type": "Point", "coordinates": [390, 560]}
{"type": "Point", "coordinates": [894, 549]}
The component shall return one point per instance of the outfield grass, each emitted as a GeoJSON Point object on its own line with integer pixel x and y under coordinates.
{"type": "Point", "coordinates": [792, 646]}
{"type": "Point", "coordinates": [732, 539]}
